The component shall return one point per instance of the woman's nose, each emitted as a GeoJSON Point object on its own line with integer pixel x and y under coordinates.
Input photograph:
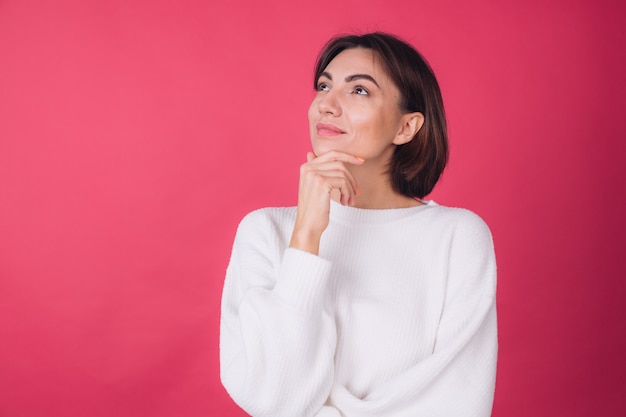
{"type": "Point", "coordinates": [329, 104]}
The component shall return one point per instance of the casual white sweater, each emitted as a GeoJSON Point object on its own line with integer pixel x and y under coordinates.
{"type": "Point", "coordinates": [395, 317]}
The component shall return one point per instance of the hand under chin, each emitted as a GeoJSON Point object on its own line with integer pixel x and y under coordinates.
{"type": "Point", "coordinates": [335, 194]}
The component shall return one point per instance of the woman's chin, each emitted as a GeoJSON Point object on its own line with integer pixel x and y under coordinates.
{"type": "Point", "coordinates": [322, 148]}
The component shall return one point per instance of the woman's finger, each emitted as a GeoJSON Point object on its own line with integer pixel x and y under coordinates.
{"type": "Point", "coordinates": [336, 171]}
{"type": "Point", "coordinates": [337, 156]}
{"type": "Point", "coordinates": [331, 175]}
{"type": "Point", "coordinates": [345, 186]}
{"type": "Point", "coordinates": [333, 167]}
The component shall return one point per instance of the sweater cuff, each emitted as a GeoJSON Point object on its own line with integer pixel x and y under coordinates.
{"type": "Point", "coordinates": [302, 279]}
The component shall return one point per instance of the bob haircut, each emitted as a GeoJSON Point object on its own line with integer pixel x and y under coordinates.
{"type": "Point", "coordinates": [416, 165]}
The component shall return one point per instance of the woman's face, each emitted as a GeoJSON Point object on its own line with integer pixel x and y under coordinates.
{"type": "Point", "coordinates": [355, 109]}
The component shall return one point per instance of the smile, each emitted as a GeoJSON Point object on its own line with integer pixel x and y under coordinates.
{"type": "Point", "coordinates": [327, 129]}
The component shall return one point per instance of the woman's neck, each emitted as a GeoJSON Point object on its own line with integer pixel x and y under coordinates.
{"type": "Point", "coordinates": [376, 191]}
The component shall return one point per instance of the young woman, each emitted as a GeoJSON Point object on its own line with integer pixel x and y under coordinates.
{"type": "Point", "coordinates": [364, 300]}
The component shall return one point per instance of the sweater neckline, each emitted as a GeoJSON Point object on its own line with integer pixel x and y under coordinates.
{"type": "Point", "coordinates": [347, 214]}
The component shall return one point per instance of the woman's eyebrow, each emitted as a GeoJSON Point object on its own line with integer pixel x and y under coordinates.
{"type": "Point", "coordinates": [361, 77]}
{"type": "Point", "coordinates": [353, 77]}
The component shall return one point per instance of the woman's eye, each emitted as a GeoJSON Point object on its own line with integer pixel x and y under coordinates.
{"type": "Point", "coordinates": [361, 91]}
{"type": "Point", "coordinates": [323, 87]}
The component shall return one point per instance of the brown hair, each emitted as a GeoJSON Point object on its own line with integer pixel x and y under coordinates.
{"type": "Point", "coordinates": [417, 165]}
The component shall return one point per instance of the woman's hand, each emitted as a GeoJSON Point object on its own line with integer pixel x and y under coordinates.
{"type": "Point", "coordinates": [321, 178]}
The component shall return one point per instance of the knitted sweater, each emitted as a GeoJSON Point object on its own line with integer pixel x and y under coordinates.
{"type": "Point", "coordinates": [395, 317]}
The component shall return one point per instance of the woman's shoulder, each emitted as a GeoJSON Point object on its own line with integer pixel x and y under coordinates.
{"type": "Point", "coordinates": [456, 218]}
{"type": "Point", "coordinates": [267, 220]}
{"type": "Point", "coordinates": [269, 214]}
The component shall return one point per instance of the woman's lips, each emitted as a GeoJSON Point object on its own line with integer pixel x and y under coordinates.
{"type": "Point", "coordinates": [327, 129]}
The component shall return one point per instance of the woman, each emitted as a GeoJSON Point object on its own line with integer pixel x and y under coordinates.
{"type": "Point", "coordinates": [364, 300]}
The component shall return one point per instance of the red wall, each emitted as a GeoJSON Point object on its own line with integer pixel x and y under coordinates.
{"type": "Point", "coordinates": [135, 134]}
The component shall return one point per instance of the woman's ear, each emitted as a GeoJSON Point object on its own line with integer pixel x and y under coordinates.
{"type": "Point", "coordinates": [411, 124]}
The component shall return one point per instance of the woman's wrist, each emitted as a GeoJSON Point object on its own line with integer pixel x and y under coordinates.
{"type": "Point", "coordinates": [305, 240]}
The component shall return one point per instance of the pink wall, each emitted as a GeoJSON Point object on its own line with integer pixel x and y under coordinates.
{"type": "Point", "coordinates": [135, 134]}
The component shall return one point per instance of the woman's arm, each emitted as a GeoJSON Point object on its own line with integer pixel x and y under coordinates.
{"type": "Point", "coordinates": [277, 338]}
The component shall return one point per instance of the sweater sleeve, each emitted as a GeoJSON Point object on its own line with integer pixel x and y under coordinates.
{"type": "Point", "coordinates": [458, 378]}
{"type": "Point", "coordinates": [277, 338]}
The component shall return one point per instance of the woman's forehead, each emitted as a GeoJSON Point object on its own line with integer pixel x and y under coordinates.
{"type": "Point", "coordinates": [356, 61]}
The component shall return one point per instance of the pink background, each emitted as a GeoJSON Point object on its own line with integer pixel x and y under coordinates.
{"type": "Point", "coordinates": [134, 135]}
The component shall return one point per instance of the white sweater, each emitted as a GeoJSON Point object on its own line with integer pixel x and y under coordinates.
{"type": "Point", "coordinates": [395, 317]}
